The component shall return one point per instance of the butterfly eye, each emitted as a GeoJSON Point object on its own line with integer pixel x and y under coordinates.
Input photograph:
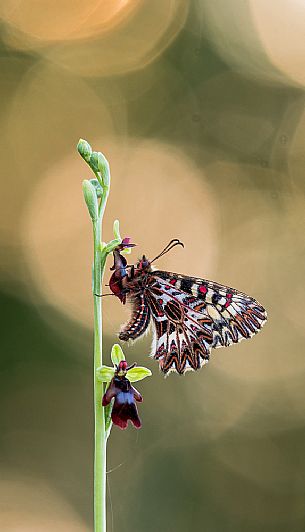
{"type": "Point", "coordinates": [143, 263]}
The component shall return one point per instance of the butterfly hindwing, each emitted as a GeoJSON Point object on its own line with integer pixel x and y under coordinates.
{"type": "Point", "coordinates": [176, 346]}
{"type": "Point", "coordinates": [193, 315]}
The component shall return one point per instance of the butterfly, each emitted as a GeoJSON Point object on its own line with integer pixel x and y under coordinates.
{"type": "Point", "coordinates": [190, 316]}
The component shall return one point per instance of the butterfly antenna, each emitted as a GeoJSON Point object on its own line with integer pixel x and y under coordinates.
{"type": "Point", "coordinates": [174, 242]}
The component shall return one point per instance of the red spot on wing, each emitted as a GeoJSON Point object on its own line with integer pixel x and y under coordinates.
{"type": "Point", "coordinates": [173, 281]}
{"type": "Point", "coordinates": [228, 299]}
{"type": "Point", "coordinates": [203, 289]}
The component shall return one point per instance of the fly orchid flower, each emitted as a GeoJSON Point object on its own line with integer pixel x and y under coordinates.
{"type": "Point", "coordinates": [120, 396]}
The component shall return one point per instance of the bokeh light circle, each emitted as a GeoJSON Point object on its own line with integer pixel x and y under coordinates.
{"type": "Point", "coordinates": [264, 40]}
{"type": "Point", "coordinates": [39, 507]}
{"type": "Point", "coordinates": [253, 258]}
{"type": "Point", "coordinates": [29, 25]}
{"type": "Point", "coordinates": [99, 41]}
{"type": "Point", "coordinates": [41, 123]}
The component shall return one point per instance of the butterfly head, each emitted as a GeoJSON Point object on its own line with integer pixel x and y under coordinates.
{"type": "Point", "coordinates": [124, 274]}
{"type": "Point", "coordinates": [143, 265]}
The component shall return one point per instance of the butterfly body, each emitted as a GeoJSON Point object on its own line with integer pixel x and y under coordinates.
{"type": "Point", "coordinates": [190, 315]}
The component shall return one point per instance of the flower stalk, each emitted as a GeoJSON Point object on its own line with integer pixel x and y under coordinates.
{"type": "Point", "coordinates": [99, 418]}
{"type": "Point", "coordinates": [96, 192]}
{"type": "Point", "coordinates": [111, 404]}
{"type": "Point", "coordinates": [114, 396]}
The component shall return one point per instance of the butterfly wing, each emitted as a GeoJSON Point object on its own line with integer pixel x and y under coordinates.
{"type": "Point", "coordinates": [192, 316]}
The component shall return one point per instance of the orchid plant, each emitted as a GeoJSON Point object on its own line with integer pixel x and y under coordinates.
{"type": "Point", "coordinates": [114, 396]}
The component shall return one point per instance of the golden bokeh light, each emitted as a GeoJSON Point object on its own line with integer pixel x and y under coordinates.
{"type": "Point", "coordinates": [42, 122]}
{"type": "Point", "coordinates": [258, 465]}
{"type": "Point", "coordinates": [97, 41]}
{"type": "Point", "coordinates": [157, 193]}
{"type": "Point", "coordinates": [290, 254]}
{"type": "Point", "coordinates": [280, 29]}
{"type": "Point", "coordinates": [213, 418]}
{"type": "Point", "coordinates": [199, 107]}
{"type": "Point", "coordinates": [260, 39]}
{"type": "Point", "coordinates": [11, 196]}
{"type": "Point", "coordinates": [28, 25]}
{"type": "Point", "coordinates": [246, 123]}
{"type": "Point", "coordinates": [49, 109]}
{"type": "Point", "coordinates": [295, 139]}
{"type": "Point", "coordinates": [39, 507]}
{"type": "Point", "coordinates": [255, 222]}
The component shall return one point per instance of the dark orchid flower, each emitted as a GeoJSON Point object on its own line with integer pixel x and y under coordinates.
{"type": "Point", "coordinates": [120, 390]}
{"type": "Point", "coordinates": [119, 268]}
{"type": "Point", "coordinates": [124, 406]}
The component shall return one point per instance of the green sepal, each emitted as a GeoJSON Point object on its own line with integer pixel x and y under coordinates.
{"type": "Point", "coordinates": [90, 199]}
{"type": "Point", "coordinates": [84, 149]}
{"type": "Point", "coordinates": [105, 374]}
{"type": "Point", "coordinates": [138, 373]}
{"type": "Point", "coordinates": [117, 236]}
{"type": "Point", "coordinates": [111, 245]}
{"type": "Point", "coordinates": [117, 354]}
{"type": "Point", "coordinates": [116, 230]}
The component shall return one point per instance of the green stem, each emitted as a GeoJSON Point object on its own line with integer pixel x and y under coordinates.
{"type": "Point", "coordinates": [100, 167]}
{"type": "Point", "coordinates": [99, 420]}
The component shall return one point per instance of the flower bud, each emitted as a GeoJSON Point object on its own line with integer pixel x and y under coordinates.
{"type": "Point", "coordinates": [99, 163]}
{"type": "Point", "coordinates": [90, 199]}
{"type": "Point", "coordinates": [84, 149]}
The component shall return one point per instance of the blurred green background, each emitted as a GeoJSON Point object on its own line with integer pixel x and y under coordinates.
{"type": "Point", "coordinates": [199, 107]}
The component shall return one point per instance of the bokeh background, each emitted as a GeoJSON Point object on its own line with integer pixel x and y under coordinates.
{"type": "Point", "coordinates": [199, 106]}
